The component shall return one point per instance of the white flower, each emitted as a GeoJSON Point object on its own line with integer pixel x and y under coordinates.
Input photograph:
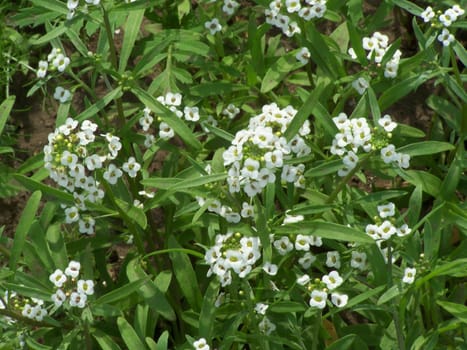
{"type": "Point", "coordinates": [333, 259]}
{"type": "Point", "coordinates": [86, 225]}
{"type": "Point", "coordinates": [388, 153]}
{"type": "Point", "coordinates": [72, 4]}
{"type": "Point", "coordinates": [306, 260]}
{"type": "Point", "coordinates": [352, 53]}
{"type": "Point", "coordinates": [292, 219]}
{"type": "Point", "coordinates": [404, 230]}
{"type": "Point", "coordinates": [230, 6]}
{"type": "Point", "coordinates": [248, 211]}
{"type": "Point", "coordinates": [448, 17]}
{"type": "Point", "coordinates": [387, 123]}
{"type": "Point", "coordinates": [131, 167]}
{"type": "Point", "coordinates": [291, 29]}
{"type": "Point", "coordinates": [266, 326]}
{"type": "Point", "coordinates": [428, 14]}
{"type": "Point", "coordinates": [71, 215]}
{"type": "Point", "coordinates": [302, 243]}
{"type": "Point", "coordinates": [458, 10]}
{"type": "Point", "coordinates": [361, 84]}
{"type": "Point", "coordinates": [112, 174]}
{"type": "Point", "coordinates": [58, 297]}
{"type": "Point", "coordinates": [445, 37]}
{"type": "Point", "coordinates": [201, 344]}
{"type": "Point", "coordinates": [191, 113]}
{"type": "Point", "coordinates": [386, 230]}
{"type": "Point", "coordinates": [358, 260]}
{"type": "Point", "coordinates": [73, 269]}
{"type": "Point", "coordinates": [318, 299]}
{"type": "Point", "coordinates": [292, 5]}
{"type": "Point", "coordinates": [333, 280]}
{"type": "Point", "coordinates": [261, 308]}
{"type": "Point", "coordinates": [58, 278]}
{"type": "Point", "coordinates": [340, 300]}
{"type": "Point", "coordinates": [387, 210]}
{"type": "Point", "coordinates": [42, 69]}
{"type": "Point", "coordinates": [318, 10]}
{"type": "Point", "coordinates": [213, 26]}
{"type": "Point", "coordinates": [78, 299]}
{"type": "Point", "coordinates": [409, 275]}
{"type": "Point", "coordinates": [283, 245]}
{"type": "Point", "coordinates": [403, 160]}
{"type": "Point", "coordinates": [61, 62]}
{"type": "Point", "coordinates": [303, 280]}
{"type": "Point", "coordinates": [165, 131]}
{"type": "Point", "coordinates": [303, 55]}
{"type": "Point", "coordinates": [173, 99]}
{"type": "Point", "coordinates": [270, 269]}
{"type": "Point", "coordinates": [85, 287]}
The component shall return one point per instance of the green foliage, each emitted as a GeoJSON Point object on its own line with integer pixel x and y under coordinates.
{"type": "Point", "coordinates": [240, 183]}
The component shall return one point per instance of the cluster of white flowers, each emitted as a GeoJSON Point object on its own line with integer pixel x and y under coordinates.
{"type": "Point", "coordinates": [225, 211]}
{"type": "Point", "coordinates": [73, 155]}
{"type": "Point", "coordinates": [232, 252]}
{"type": "Point", "coordinates": [70, 287]}
{"type": "Point", "coordinates": [356, 133]}
{"type": "Point", "coordinates": [444, 20]}
{"type": "Point", "coordinates": [279, 13]}
{"type": "Point", "coordinates": [320, 289]}
{"type": "Point", "coordinates": [72, 6]}
{"type": "Point", "coordinates": [260, 150]}
{"type": "Point", "coordinates": [56, 60]}
{"type": "Point", "coordinates": [377, 45]}
{"type": "Point", "coordinates": [384, 230]}
{"type": "Point", "coordinates": [36, 311]}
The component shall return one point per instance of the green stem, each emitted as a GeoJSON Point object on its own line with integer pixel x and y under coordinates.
{"type": "Point", "coordinates": [113, 59]}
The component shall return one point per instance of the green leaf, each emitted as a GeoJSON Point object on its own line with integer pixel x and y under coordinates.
{"type": "Point", "coordinates": [428, 182]}
{"type": "Point", "coordinates": [461, 52]}
{"type": "Point", "coordinates": [450, 113]}
{"type": "Point", "coordinates": [169, 117]}
{"type": "Point", "coordinates": [25, 222]}
{"type": "Point", "coordinates": [281, 307]}
{"type": "Point", "coordinates": [364, 296]}
{"type": "Point", "coordinates": [409, 6]}
{"type": "Point", "coordinates": [208, 310]}
{"type": "Point", "coordinates": [217, 88]}
{"type": "Point", "coordinates": [426, 148]}
{"type": "Point", "coordinates": [134, 213]}
{"type": "Point", "coordinates": [457, 310]}
{"type": "Point", "coordinates": [129, 335]}
{"type": "Point", "coordinates": [52, 34]}
{"type": "Point", "coordinates": [198, 181]}
{"type": "Point", "coordinates": [30, 292]}
{"type": "Point", "coordinates": [456, 268]}
{"type": "Point", "coordinates": [278, 71]}
{"type": "Point", "coordinates": [132, 26]}
{"type": "Point", "coordinates": [325, 230]}
{"type": "Point", "coordinates": [325, 168]}
{"type": "Point", "coordinates": [380, 196]}
{"type": "Point", "coordinates": [93, 110]}
{"type": "Point", "coordinates": [122, 292]}
{"type": "Point", "coordinates": [104, 340]}
{"type": "Point", "coordinates": [306, 110]}
{"type": "Point", "coordinates": [343, 343]}
{"type": "Point", "coordinates": [401, 89]}
{"type": "Point", "coordinates": [162, 342]}
{"type": "Point", "coordinates": [52, 5]}
{"type": "Point", "coordinates": [185, 275]}
{"type": "Point", "coordinates": [5, 109]}
{"type": "Point", "coordinates": [390, 294]}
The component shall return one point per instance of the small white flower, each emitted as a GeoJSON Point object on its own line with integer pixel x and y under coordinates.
{"type": "Point", "coordinates": [292, 219]}
{"type": "Point", "coordinates": [358, 260]}
{"type": "Point", "coordinates": [86, 225]}
{"type": "Point", "coordinates": [386, 230]}
{"type": "Point", "coordinates": [131, 167]}
{"type": "Point", "coordinates": [332, 280]}
{"type": "Point", "coordinates": [387, 123]}
{"type": "Point", "coordinates": [73, 269]}
{"type": "Point", "coordinates": [307, 260]}
{"type": "Point", "coordinates": [213, 26]}
{"type": "Point", "coordinates": [386, 210]}
{"type": "Point", "coordinates": [58, 278]}
{"type": "Point", "coordinates": [409, 275]}
{"type": "Point", "coordinates": [270, 269]}
{"type": "Point", "coordinates": [428, 14]}
{"type": "Point", "coordinates": [340, 300]}
{"type": "Point", "coordinates": [388, 153]}
{"type": "Point", "coordinates": [448, 17]}
{"type": "Point", "coordinates": [333, 259]}
{"type": "Point", "coordinates": [302, 243]}
{"type": "Point", "coordinates": [458, 10]}
{"type": "Point", "coordinates": [266, 326]}
{"type": "Point", "coordinates": [71, 215]}
{"type": "Point", "coordinates": [404, 230]}
{"type": "Point", "coordinates": [85, 287]}
{"type": "Point", "coordinates": [201, 344]}
{"type": "Point", "coordinates": [191, 114]}
{"type": "Point", "coordinates": [303, 280]}
{"type": "Point", "coordinates": [61, 62]}
{"type": "Point", "coordinates": [361, 84]}
{"type": "Point", "coordinates": [72, 4]}
{"type": "Point", "coordinates": [78, 300]}
{"type": "Point", "coordinates": [165, 131]}
{"type": "Point", "coordinates": [42, 69]}
{"type": "Point", "coordinates": [446, 38]}
{"type": "Point", "coordinates": [318, 299]}
{"type": "Point", "coordinates": [58, 297]}
{"type": "Point", "coordinates": [260, 308]}
{"type": "Point", "coordinates": [303, 55]}
{"type": "Point", "coordinates": [283, 245]}
{"type": "Point", "coordinates": [173, 99]}
{"type": "Point", "coordinates": [112, 174]}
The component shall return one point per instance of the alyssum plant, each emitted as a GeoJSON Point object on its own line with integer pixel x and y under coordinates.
{"type": "Point", "coordinates": [232, 175]}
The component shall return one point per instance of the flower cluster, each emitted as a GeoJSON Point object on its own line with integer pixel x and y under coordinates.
{"type": "Point", "coordinates": [73, 156]}
{"type": "Point", "coordinates": [36, 311]}
{"type": "Point", "coordinates": [260, 150]}
{"type": "Point", "coordinates": [377, 45]}
{"type": "Point", "coordinates": [356, 133]}
{"type": "Point", "coordinates": [232, 252]}
{"type": "Point", "coordinates": [70, 287]}
{"type": "Point", "coordinates": [443, 20]}
{"type": "Point", "coordinates": [56, 60]}
{"type": "Point", "coordinates": [384, 227]}
{"type": "Point", "coordinates": [319, 289]}
{"type": "Point", "coordinates": [279, 13]}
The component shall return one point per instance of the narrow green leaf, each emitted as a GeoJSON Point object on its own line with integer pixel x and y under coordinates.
{"type": "Point", "coordinates": [122, 292]}
{"type": "Point", "coordinates": [185, 275]}
{"type": "Point", "coordinates": [198, 181]}
{"type": "Point", "coordinates": [217, 88]}
{"type": "Point", "coordinates": [373, 102]}
{"type": "Point", "coordinates": [30, 292]}
{"type": "Point", "coordinates": [129, 336]}
{"type": "Point", "coordinates": [306, 110]}
{"type": "Point", "coordinates": [425, 148]}
{"type": "Point", "coordinates": [223, 134]}
{"type": "Point", "coordinates": [364, 296]}
{"type": "Point", "coordinates": [344, 343]}
{"type": "Point", "coordinates": [93, 110]}
{"type": "Point", "coordinates": [134, 213]}
{"type": "Point", "coordinates": [278, 71]}
{"type": "Point", "coordinates": [52, 5]}
{"type": "Point", "coordinates": [380, 196]}
{"type": "Point", "coordinates": [429, 182]}
{"type": "Point", "coordinates": [132, 26]}
{"type": "Point", "coordinates": [390, 294]}
{"type": "Point", "coordinates": [458, 310]}
{"type": "Point", "coordinates": [401, 89]}
{"type": "Point", "coordinates": [52, 34]}
{"type": "Point", "coordinates": [461, 52]}
{"type": "Point", "coordinates": [169, 117]}
{"type": "Point", "coordinates": [448, 111]}
{"type": "Point", "coordinates": [5, 109]}
{"type": "Point", "coordinates": [208, 310]}
{"type": "Point", "coordinates": [325, 230]}
{"type": "Point", "coordinates": [162, 342]}
{"type": "Point", "coordinates": [456, 268]}
{"type": "Point", "coordinates": [409, 7]}
{"type": "Point", "coordinates": [23, 227]}
{"type": "Point", "coordinates": [104, 340]}
{"type": "Point", "coordinates": [281, 307]}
